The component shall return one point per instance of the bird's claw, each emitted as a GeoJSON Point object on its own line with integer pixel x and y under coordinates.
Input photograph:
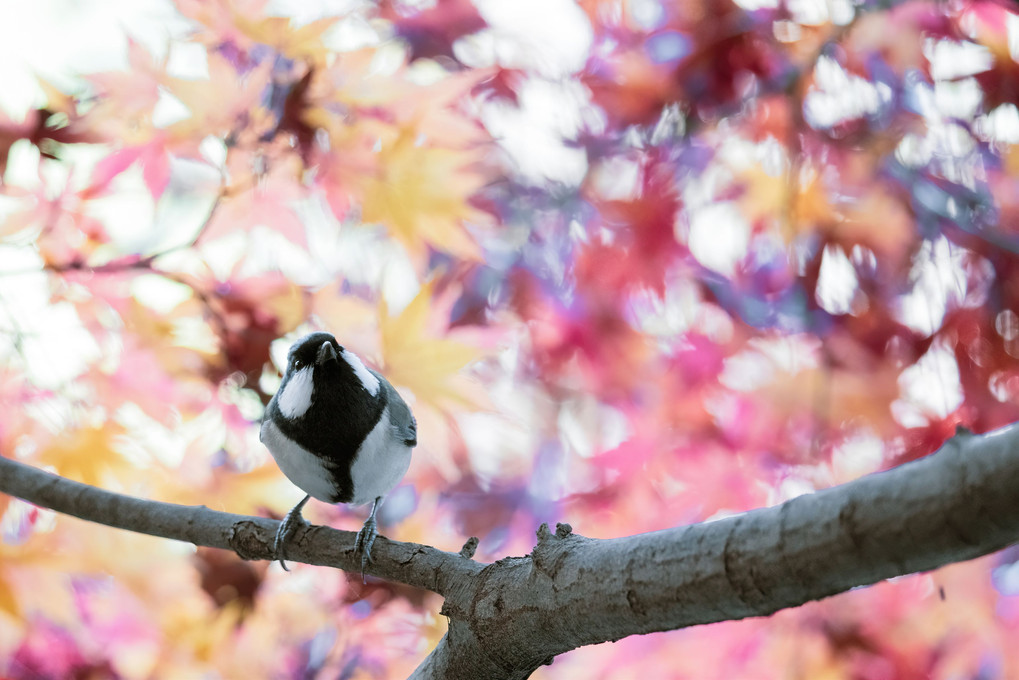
{"type": "Point", "coordinates": [365, 540]}
{"type": "Point", "coordinates": [287, 528]}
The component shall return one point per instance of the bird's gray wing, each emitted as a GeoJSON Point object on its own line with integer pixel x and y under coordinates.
{"type": "Point", "coordinates": [399, 413]}
{"type": "Point", "coordinates": [265, 417]}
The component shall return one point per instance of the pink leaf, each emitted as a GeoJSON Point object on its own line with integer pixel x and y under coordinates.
{"type": "Point", "coordinates": [110, 167]}
{"type": "Point", "coordinates": [156, 169]}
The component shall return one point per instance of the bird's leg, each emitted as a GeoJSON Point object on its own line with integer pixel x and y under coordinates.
{"type": "Point", "coordinates": [288, 527]}
{"type": "Point", "coordinates": [366, 537]}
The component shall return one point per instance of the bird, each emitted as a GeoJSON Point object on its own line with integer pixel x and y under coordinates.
{"type": "Point", "coordinates": [339, 431]}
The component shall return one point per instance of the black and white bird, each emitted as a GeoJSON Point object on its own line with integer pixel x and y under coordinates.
{"type": "Point", "coordinates": [339, 431]}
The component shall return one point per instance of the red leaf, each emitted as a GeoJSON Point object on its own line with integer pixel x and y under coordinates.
{"type": "Point", "coordinates": [431, 32]}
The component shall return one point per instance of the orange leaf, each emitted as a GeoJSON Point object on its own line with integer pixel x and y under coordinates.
{"type": "Point", "coordinates": [86, 455]}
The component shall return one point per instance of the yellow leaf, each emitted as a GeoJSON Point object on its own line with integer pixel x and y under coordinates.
{"type": "Point", "coordinates": [876, 219]}
{"type": "Point", "coordinates": [427, 366]}
{"type": "Point", "coordinates": [812, 205]}
{"type": "Point", "coordinates": [301, 43]}
{"type": "Point", "coordinates": [215, 103]}
{"type": "Point", "coordinates": [203, 633]}
{"type": "Point", "coordinates": [85, 455]}
{"type": "Point", "coordinates": [55, 99]}
{"type": "Point", "coordinates": [8, 603]}
{"type": "Point", "coordinates": [248, 493]}
{"type": "Point", "coordinates": [764, 194]}
{"type": "Point", "coordinates": [421, 194]}
{"type": "Point", "coordinates": [768, 195]}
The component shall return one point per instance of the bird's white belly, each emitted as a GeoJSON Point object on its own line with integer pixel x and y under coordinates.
{"type": "Point", "coordinates": [380, 464]}
{"type": "Point", "coordinates": [301, 467]}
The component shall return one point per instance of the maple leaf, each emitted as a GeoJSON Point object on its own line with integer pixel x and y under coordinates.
{"type": "Point", "coordinates": [711, 77]}
{"type": "Point", "coordinates": [589, 335]}
{"type": "Point", "coordinates": [66, 234]}
{"type": "Point", "coordinates": [765, 194]}
{"type": "Point", "coordinates": [195, 483]}
{"type": "Point", "coordinates": [200, 633]}
{"type": "Point", "coordinates": [990, 23]}
{"type": "Point", "coordinates": [8, 602]}
{"type": "Point", "coordinates": [125, 99]}
{"type": "Point", "coordinates": [629, 86]}
{"type": "Point", "coordinates": [431, 32]}
{"type": "Point", "coordinates": [505, 83]}
{"type": "Point", "coordinates": [903, 48]}
{"type": "Point", "coordinates": [421, 193]}
{"type": "Point", "coordinates": [876, 218]}
{"type": "Point", "coordinates": [294, 42]}
{"type": "Point", "coordinates": [702, 56]}
{"type": "Point", "coordinates": [152, 371]}
{"type": "Point", "coordinates": [425, 365]}
{"type": "Point", "coordinates": [255, 200]}
{"type": "Point", "coordinates": [221, 104]}
{"type": "Point", "coordinates": [404, 151]}
{"type": "Point", "coordinates": [291, 116]}
{"type": "Point", "coordinates": [644, 244]}
{"type": "Point", "coordinates": [151, 155]}
{"type": "Point", "coordinates": [35, 555]}
{"type": "Point", "coordinates": [87, 455]}
{"type": "Point", "coordinates": [46, 129]}
{"type": "Point", "coordinates": [251, 312]}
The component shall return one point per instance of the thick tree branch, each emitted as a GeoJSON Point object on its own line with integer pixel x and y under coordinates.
{"type": "Point", "coordinates": [509, 617]}
{"type": "Point", "coordinates": [954, 505]}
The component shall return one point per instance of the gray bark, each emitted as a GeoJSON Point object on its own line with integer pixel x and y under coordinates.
{"type": "Point", "coordinates": [509, 617]}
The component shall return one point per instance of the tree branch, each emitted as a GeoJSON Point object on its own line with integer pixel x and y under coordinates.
{"type": "Point", "coordinates": [250, 537]}
{"type": "Point", "coordinates": [509, 617]}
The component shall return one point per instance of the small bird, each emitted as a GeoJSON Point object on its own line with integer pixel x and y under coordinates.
{"type": "Point", "coordinates": [339, 431]}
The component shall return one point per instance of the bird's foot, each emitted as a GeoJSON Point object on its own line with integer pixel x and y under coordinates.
{"type": "Point", "coordinates": [287, 528]}
{"type": "Point", "coordinates": [365, 540]}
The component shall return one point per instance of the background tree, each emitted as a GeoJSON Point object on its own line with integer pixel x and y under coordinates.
{"type": "Point", "coordinates": [636, 265]}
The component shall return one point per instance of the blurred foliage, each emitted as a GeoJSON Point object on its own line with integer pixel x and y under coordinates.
{"type": "Point", "coordinates": [736, 252]}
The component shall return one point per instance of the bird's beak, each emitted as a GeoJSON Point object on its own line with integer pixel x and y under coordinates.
{"type": "Point", "coordinates": [325, 353]}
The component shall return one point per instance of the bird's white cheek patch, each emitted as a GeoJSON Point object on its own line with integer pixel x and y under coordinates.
{"type": "Point", "coordinates": [368, 381]}
{"type": "Point", "coordinates": [295, 399]}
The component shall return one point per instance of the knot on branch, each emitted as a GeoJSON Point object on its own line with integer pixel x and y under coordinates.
{"type": "Point", "coordinates": [551, 549]}
{"type": "Point", "coordinates": [250, 541]}
{"type": "Point", "coordinates": [561, 531]}
{"type": "Point", "coordinates": [469, 548]}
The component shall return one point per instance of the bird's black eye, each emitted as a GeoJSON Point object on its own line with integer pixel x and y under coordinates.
{"type": "Point", "coordinates": [297, 364]}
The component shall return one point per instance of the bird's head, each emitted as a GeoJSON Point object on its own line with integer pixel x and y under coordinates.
{"type": "Point", "coordinates": [318, 362]}
{"type": "Point", "coordinates": [311, 351]}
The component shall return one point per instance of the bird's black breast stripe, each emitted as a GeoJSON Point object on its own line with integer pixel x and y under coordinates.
{"type": "Point", "coordinates": [340, 417]}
